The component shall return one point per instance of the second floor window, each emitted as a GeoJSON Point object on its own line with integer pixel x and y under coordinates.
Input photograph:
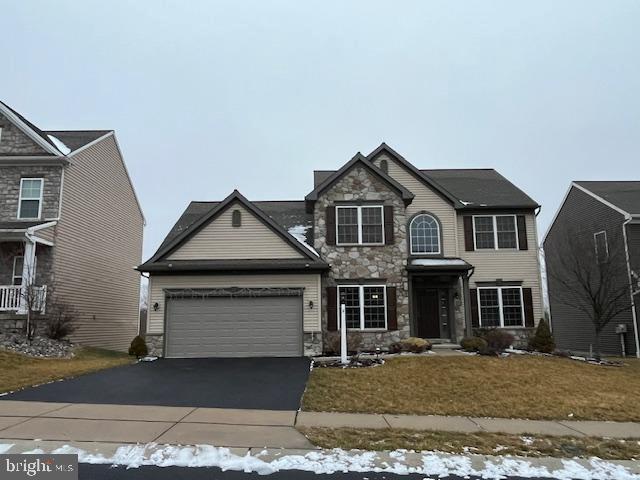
{"type": "Point", "coordinates": [493, 232]}
{"type": "Point", "coordinates": [425, 235]}
{"type": "Point", "coordinates": [30, 201]}
{"type": "Point", "coordinates": [360, 225]}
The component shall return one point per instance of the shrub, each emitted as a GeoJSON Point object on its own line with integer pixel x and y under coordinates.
{"type": "Point", "coordinates": [415, 345]}
{"type": "Point", "coordinates": [332, 343]}
{"type": "Point", "coordinates": [138, 347]}
{"type": "Point", "coordinates": [498, 340]}
{"type": "Point", "coordinates": [59, 321]}
{"type": "Point", "coordinates": [542, 341]}
{"type": "Point", "coordinates": [395, 347]}
{"type": "Point", "coordinates": [473, 344]}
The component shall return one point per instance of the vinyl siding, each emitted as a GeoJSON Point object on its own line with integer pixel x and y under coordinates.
{"type": "Point", "coordinates": [426, 200]}
{"type": "Point", "coordinates": [98, 244]}
{"type": "Point", "coordinates": [310, 283]}
{"type": "Point", "coordinates": [572, 329]}
{"type": "Point", "coordinates": [219, 240]}
{"type": "Point", "coordinates": [46, 233]}
{"type": "Point", "coordinates": [508, 265]}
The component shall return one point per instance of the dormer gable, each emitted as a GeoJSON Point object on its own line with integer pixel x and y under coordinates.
{"type": "Point", "coordinates": [19, 137]}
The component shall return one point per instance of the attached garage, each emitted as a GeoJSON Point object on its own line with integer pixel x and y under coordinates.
{"type": "Point", "coordinates": [234, 323]}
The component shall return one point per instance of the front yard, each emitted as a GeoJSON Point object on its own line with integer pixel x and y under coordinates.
{"type": "Point", "coordinates": [513, 387]}
{"type": "Point", "coordinates": [18, 371]}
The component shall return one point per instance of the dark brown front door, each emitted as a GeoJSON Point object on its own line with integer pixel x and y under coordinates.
{"type": "Point", "coordinates": [428, 312]}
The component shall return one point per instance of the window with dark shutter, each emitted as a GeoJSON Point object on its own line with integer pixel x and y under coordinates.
{"type": "Point", "coordinates": [527, 296]}
{"type": "Point", "coordinates": [330, 221]}
{"type": "Point", "coordinates": [468, 233]}
{"type": "Point", "coordinates": [388, 225]}
{"type": "Point", "coordinates": [392, 309]}
{"type": "Point", "coordinates": [522, 233]}
{"type": "Point", "coordinates": [332, 309]}
{"type": "Point", "coordinates": [475, 318]}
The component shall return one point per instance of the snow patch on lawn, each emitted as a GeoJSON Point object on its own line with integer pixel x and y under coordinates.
{"type": "Point", "coordinates": [337, 460]}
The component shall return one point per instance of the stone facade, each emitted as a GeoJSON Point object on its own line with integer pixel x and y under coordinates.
{"type": "Point", "coordinates": [155, 344]}
{"type": "Point", "coordinates": [44, 262]}
{"type": "Point", "coordinates": [312, 344]}
{"type": "Point", "coordinates": [351, 264]}
{"type": "Point", "coordinates": [15, 142]}
{"type": "Point", "coordinates": [10, 190]}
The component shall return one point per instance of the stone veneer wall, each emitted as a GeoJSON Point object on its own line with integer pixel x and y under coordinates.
{"type": "Point", "coordinates": [15, 142]}
{"type": "Point", "coordinates": [10, 190]}
{"type": "Point", "coordinates": [356, 263]}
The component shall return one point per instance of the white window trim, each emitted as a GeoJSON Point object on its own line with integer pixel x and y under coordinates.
{"type": "Point", "coordinates": [411, 235]}
{"type": "Point", "coordinates": [361, 302]}
{"type": "Point", "coordinates": [501, 312]}
{"type": "Point", "coordinates": [39, 199]}
{"type": "Point", "coordinates": [606, 244]}
{"type": "Point", "coordinates": [495, 232]}
{"type": "Point", "coordinates": [359, 208]}
{"type": "Point", "coordinates": [13, 274]}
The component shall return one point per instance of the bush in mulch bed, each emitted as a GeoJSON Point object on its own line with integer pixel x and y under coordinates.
{"type": "Point", "coordinates": [42, 347]}
{"type": "Point", "coordinates": [354, 362]}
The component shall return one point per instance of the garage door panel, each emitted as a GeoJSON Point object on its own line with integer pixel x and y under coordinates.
{"type": "Point", "coordinates": [234, 327]}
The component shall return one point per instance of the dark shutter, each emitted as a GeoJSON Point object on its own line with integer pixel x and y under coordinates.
{"type": "Point", "coordinates": [468, 233]}
{"type": "Point", "coordinates": [527, 297]}
{"type": "Point", "coordinates": [332, 309]}
{"type": "Point", "coordinates": [522, 233]}
{"type": "Point", "coordinates": [330, 220]}
{"type": "Point", "coordinates": [388, 225]}
{"type": "Point", "coordinates": [392, 309]}
{"type": "Point", "coordinates": [473, 298]}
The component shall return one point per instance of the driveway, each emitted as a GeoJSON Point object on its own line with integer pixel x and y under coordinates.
{"type": "Point", "coordinates": [246, 383]}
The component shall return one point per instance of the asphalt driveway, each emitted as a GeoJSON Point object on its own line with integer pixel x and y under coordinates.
{"type": "Point", "coordinates": [249, 383]}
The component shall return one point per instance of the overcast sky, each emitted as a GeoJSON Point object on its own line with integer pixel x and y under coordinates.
{"type": "Point", "coordinates": [210, 96]}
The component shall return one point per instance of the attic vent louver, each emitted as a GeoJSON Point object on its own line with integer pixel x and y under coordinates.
{"type": "Point", "coordinates": [236, 218]}
{"type": "Point", "coordinates": [384, 166]}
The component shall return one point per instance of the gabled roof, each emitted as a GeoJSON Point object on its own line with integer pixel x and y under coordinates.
{"type": "Point", "coordinates": [76, 139]}
{"type": "Point", "coordinates": [37, 135]}
{"type": "Point", "coordinates": [189, 230]}
{"type": "Point", "coordinates": [481, 188]}
{"type": "Point", "coordinates": [625, 195]}
{"type": "Point", "coordinates": [358, 159]}
{"type": "Point", "coordinates": [409, 166]}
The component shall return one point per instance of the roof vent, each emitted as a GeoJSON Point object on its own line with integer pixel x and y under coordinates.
{"type": "Point", "coordinates": [236, 218]}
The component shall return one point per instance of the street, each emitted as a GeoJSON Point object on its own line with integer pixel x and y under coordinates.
{"type": "Point", "coordinates": [108, 472]}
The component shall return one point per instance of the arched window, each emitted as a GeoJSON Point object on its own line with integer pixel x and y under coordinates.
{"type": "Point", "coordinates": [425, 235]}
{"type": "Point", "coordinates": [384, 166]}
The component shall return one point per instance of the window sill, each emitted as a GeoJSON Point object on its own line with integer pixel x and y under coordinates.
{"type": "Point", "coordinates": [367, 330]}
{"type": "Point", "coordinates": [360, 244]}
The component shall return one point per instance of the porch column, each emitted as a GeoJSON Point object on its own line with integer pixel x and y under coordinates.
{"type": "Point", "coordinates": [468, 327]}
{"type": "Point", "coordinates": [28, 272]}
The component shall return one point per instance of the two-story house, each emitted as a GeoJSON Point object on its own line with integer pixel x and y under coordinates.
{"type": "Point", "coordinates": [409, 252]}
{"type": "Point", "coordinates": [70, 229]}
{"type": "Point", "coordinates": [592, 252]}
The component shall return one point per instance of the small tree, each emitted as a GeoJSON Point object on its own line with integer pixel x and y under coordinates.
{"type": "Point", "coordinates": [60, 318]}
{"type": "Point", "coordinates": [592, 276]}
{"type": "Point", "coordinates": [542, 341]}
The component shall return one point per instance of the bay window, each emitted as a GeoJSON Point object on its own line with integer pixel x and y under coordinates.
{"type": "Point", "coordinates": [360, 225]}
{"type": "Point", "coordinates": [500, 307]}
{"type": "Point", "coordinates": [365, 306]}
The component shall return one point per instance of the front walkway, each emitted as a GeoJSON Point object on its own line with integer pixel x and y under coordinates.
{"type": "Point", "coordinates": [247, 428]}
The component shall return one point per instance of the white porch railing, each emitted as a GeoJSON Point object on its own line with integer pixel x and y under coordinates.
{"type": "Point", "coordinates": [11, 298]}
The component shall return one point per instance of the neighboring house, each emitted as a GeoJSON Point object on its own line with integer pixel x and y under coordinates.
{"type": "Point", "coordinates": [71, 226]}
{"type": "Point", "coordinates": [605, 217]}
{"type": "Point", "coordinates": [428, 253]}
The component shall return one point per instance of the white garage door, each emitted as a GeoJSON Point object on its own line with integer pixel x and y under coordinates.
{"type": "Point", "coordinates": [263, 326]}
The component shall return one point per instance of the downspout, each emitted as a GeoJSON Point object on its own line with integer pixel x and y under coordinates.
{"type": "Point", "coordinates": [467, 303]}
{"type": "Point", "coordinates": [631, 292]}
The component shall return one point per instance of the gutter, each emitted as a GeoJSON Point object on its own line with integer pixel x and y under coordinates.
{"type": "Point", "coordinates": [631, 292]}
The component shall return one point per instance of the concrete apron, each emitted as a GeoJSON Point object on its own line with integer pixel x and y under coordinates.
{"type": "Point", "coordinates": [240, 458]}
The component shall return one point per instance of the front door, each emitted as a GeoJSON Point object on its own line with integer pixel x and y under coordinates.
{"type": "Point", "coordinates": [428, 312]}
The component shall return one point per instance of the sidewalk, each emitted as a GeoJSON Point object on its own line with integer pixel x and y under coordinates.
{"type": "Point", "coordinates": [248, 428]}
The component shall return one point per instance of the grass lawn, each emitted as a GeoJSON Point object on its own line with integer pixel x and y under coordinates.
{"type": "Point", "coordinates": [480, 443]}
{"type": "Point", "coordinates": [514, 387]}
{"type": "Point", "coordinates": [17, 371]}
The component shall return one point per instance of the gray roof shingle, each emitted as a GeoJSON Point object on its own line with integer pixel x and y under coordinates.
{"type": "Point", "coordinates": [623, 194]}
{"type": "Point", "coordinates": [75, 139]}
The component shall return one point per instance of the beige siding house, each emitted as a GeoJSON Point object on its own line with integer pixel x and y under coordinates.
{"type": "Point", "coordinates": [436, 254]}
{"type": "Point", "coordinates": [71, 224]}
